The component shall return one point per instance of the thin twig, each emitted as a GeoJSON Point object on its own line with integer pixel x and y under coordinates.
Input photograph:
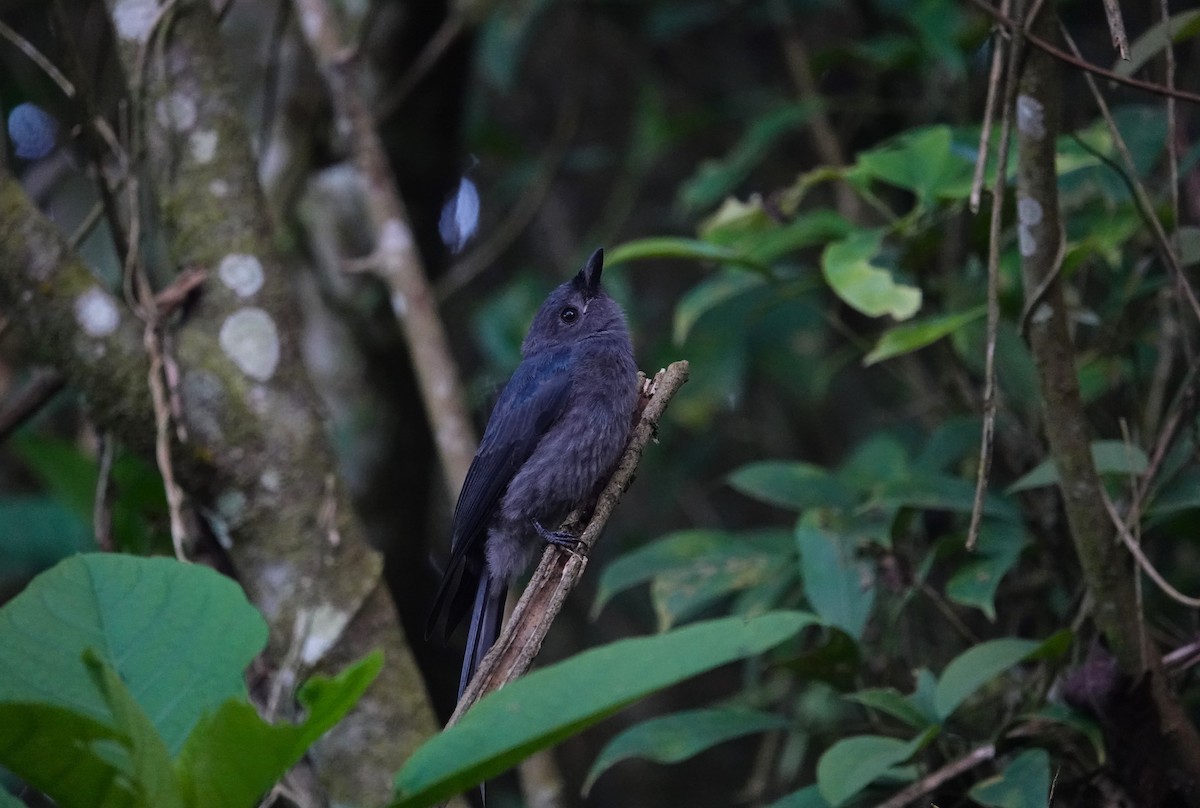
{"type": "Point", "coordinates": [102, 504]}
{"type": "Point", "coordinates": [931, 781]}
{"type": "Point", "coordinates": [1088, 67]}
{"type": "Point", "coordinates": [1140, 194]}
{"type": "Point", "coordinates": [1116, 27]}
{"type": "Point", "coordinates": [999, 188]}
{"type": "Point", "coordinates": [559, 572]}
{"type": "Point", "coordinates": [450, 29]}
{"type": "Point", "coordinates": [26, 47]}
{"type": "Point", "coordinates": [989, 115]}
{"type": "Point", "coordinates": [22, 405]}
{"type": "Point", "coordinates": [1130, 542]}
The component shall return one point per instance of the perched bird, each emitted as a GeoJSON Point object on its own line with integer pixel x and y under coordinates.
{"type": "Point", "coordinates": [555, 434]}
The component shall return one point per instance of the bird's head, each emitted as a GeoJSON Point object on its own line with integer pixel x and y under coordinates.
{"type": "Point", "coordinates": [576, 310]}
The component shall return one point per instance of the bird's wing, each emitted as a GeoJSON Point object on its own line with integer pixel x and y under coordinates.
{"type": "Point", "coordinates": [531, 402]}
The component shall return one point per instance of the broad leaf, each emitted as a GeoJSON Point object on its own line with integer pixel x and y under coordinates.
{"type": "Point", "coordinates": [677, 737]}
{"type": "Point", "coordinates": [850, 271]}
{"type": "Point", "coordinates": [808, 797]}
{"type": "Point", "coordinates": [981, 663]}
{"type": "Point", "coordinates": [1024, 783]}
{"type": "Point", "coordinates": [233, 756]}
{"type": "Point", "coordinates": [902, 339]}
{"type": "Point", "coordinates": [681, 594]}
{"type": "Point", "coordinates": [840, 587]}
{"type": "Point", "coordinates": [923, 161]}
{"type": "Point", "coordinates": [793, 485]}
{"type": "Point", "coordinates": [677, 247]}
{"type": "Point", "coordinates": [1158, 37]}
{"type": "Point", "coordinates": [852, 764]}
{"type": "Point", "coordinates": [548, 705]}
{"type": "Point", "coordinates": [976, 581]}
{"type": "Point", "coordinates": [179, 635]}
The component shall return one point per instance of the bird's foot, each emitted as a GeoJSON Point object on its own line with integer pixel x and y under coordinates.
{"type": "Point", "coordinates": [559, 538]}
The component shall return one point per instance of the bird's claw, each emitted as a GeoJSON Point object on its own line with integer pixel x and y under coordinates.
{"type": "Point", "coordinates": [559, 538]}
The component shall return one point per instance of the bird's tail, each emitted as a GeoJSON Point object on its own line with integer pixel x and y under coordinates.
{"type": "Point", "coordinates": [486, 617]}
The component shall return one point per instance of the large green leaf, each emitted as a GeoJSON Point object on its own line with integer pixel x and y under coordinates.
{"type": "Point", "coordinates": [850, 270]}
{"type": "Point", "coordinates": [37, 533]}
{"type": "Point", "coordinates": [677, 737]}
{"type": "Point", "coordinates": [233, 756]}
{"type": "Point", "coordinates": [793, 485]}
{"type": "Point", "coordinates": [548, 705]}
{"type": "Point", "coordinates": [683, 593]}
{"type": "Point", "coordinates": [179, 635]}
{"type": "Point", "coordinates": [981, 663]}
{"type": "Point", "coordinates": [1024, 783]}
{"type": "Point", "coordinates": [840, 587]}
{"type": "Point", "coordinates": [852, 764]}
{"type": "Point", "coordinates": [902, 339]}
{"type": "Point", "coordinates": [1110, 457]}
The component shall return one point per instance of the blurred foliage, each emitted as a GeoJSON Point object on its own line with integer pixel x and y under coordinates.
{"type": "Point", "coordinates": [823, 456]}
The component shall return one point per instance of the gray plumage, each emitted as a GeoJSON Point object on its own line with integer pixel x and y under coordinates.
{"type": "Point", "coordinates": [555, 434]}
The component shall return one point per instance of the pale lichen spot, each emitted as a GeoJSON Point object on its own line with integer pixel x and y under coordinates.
{"type": "Point", "coordinates": [1042, 313]}
{"type": "Point", "coordinates": [97, 313]}
{"type": "Point", "coordinates": [203, 401]}
{"type": "Point", "coordinates": [231, 505]}
{"type": "Point", "coordinates": [250, 339]}
{"type": "Point", "coordinates": [1031, 117]}
{"type": "Point", "coordinates": [270, 480]}
{"type": "Point", "coordinates": [1026, 240]}
{"type": "Point", "coordinates": [203, 144]}
{"type": "Point", "coordinates": [242, 273]}
{"type": "Point", "coordinates": [325, 626]}
{"type": "Point", "coordinates": [1029, 211]}
{"type": "Point", "coordinates": [176, 111]}
{"type": "Point", "coordinates": [134, 19]}
{"type": "Point", "coordinates": [399, 304]}
{"type": "Point", "coordinates": [394, 237]}
{"type": "Point", "coordinates": [219, 188]}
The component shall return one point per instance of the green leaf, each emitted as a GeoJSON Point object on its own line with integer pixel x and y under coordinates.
{"type": "Point", "coordinates": [793, 485]}
{"type": "Point", "coordinates": [65, 755]}
{"type": "Point", "coordinates": [932, 491]}
{"type": "Point", "coordinates": [1176, 28]}
{"type": "Point", "coordinates": [808, 797]}
{"type": "Point", "coordinates": [923, 161]}
{"type": "Point", "coordinates": [1110, 457]}
{"type": "Point", "coordinates": [150, 770]}
{"type": "Point", "coordinates": [850, 272]}
{"type": "Point", "coordinates": [852, 764]}
{"type": "Point", "coordinates": [678, 247]}
{"type": "Point", "coordinates": [981, 663]}
{"type": "Point", "coordinates": [179, 635]}
{"type": "Point", "coordinates": [1024, 783]}
{"type": "Point", "coordinates": [553, 703]}
{"type": "Point", "coordinates": [686, 549]}
{"type": "Point", "coordinates": [7, 800]}
{"type": "Point", "coordinates": [755, 561]}
{"type": "Point", "coordinates": [840, 587]}
{"type": "Point", "coordinates": [894, 703]}
{"type": "Point", "coordinates": [975, 582]}
{"type": "Point", "coordinates": [233, 756]}
{"type": "Point", "coordinates": [708, 295]}
{"type": "Point", "coordinates": [910, 337]}
{"type": "Point", "coordinates": [677, 737]}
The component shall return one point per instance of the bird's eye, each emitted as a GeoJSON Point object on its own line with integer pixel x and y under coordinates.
{"type": "Point", "coordinates": [569, 314]}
